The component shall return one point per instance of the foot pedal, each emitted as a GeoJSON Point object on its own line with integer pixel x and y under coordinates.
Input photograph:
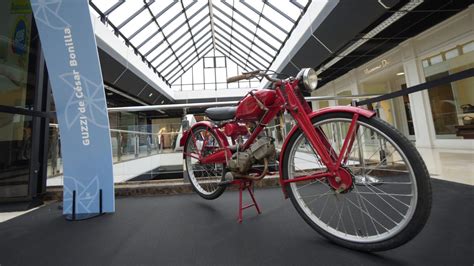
{"type": "Point", "coordinates": [225, 183]}
{"type": "Point", "coordinates": [228, 179]}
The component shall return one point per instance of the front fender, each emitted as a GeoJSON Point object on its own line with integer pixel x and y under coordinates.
{"type": "Point", "coordinates": [332, 109]}
{"type": "Point", "coordinates": [220, 136]}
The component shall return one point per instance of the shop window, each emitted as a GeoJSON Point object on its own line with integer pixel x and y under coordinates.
{"type": "Point", "coordinates": [452, 53]}
{"type": "Point", "coordinates": [15, 57]}
{"type": "Point", "coordinates": [468, 47]}
{"type": "Point", "coordinates": [436, 59]}
{"type": "Point", "coordinates": [426, 63]}
{"type": "Point", "coordinates": [15, 143]}
{"type": "Point", "coordinates": [450, 103]}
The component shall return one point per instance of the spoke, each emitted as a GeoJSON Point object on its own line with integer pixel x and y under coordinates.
{"type": "Point", "coordinates": [299, 158]}
{"type": "Point", "coordinates": [310, 183]}
{"type": "Point", "coordinates": [306, 173]}
{"type": "Point", "coordinates": [382, 191]}
{"type": "Point", "coordinates": [336, 198]}
{"type": "Point", "coordinates": [395, 183]}
{"type": "Point", "coordinates": [391, 206]}
{"type": "Point", "coordinates": [375, 207]}
{"type": "Point", "coordinates": [381, 169]}
{"type": "Point", "coordinates": [209, 182]}
{"type": "Point", "coordinates": [361, 203]}
{"type": "Point", "coordinates": [382, 161]}
{"type": "Point", "coordinates": [371, 218]}
{"type": "Point", "coordinates": [392, 194]}
{"type": "Point", "coordinates": [324, 207]}
{"type": "Point", "coordinates": [352, 219]}
{"type": "Point", "coordinates": [322, 195]}
{"type": "Point", "coordinates": [372, 155]}
{"type": "Point", "coordinates": [340, 218]}
{"type": "Point", "coordinates": [329, 192]}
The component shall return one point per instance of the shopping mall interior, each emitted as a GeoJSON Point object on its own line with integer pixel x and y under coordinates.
{"type": "Point", "coordinates": [163, 64]}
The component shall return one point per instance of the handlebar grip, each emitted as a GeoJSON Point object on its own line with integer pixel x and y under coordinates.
{"type": "Point", "coordinates": [237, 78]}
{"type": "Point", "coordinates": [247, 75]}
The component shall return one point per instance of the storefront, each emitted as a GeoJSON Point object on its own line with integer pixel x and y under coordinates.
{"type": "Point", "coordinates": [436, 118]}
{"type": "Point", "coordinates": [23, 103]}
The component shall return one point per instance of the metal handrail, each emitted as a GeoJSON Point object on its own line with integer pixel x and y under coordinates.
{"type": "Point", "coordinates": [226, 103]}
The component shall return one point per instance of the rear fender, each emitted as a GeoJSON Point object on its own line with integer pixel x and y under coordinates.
{"type": "Point", "coordinates": [220, 136]}
{"type": "Point", "coordinates": [333, 109]}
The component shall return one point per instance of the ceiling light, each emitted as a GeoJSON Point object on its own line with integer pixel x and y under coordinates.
{"type": "Point", "coordinates": [400, 74]}
{"type": "Point", "coordinates": [110, 93]}
{"type": "Point", "coordinates": [151, 94]}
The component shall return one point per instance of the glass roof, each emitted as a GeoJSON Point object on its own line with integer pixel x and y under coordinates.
{"type": "Point", "coordinates": [171, 36]}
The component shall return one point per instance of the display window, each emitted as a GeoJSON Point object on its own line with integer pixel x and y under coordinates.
{"type": "Point", "coordinates": [15, 38]}
{"type": "Point", "coordinates": [452, 104]}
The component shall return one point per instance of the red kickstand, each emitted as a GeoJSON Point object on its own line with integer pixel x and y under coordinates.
{"type": "Point", "coordinates": [245, 184]}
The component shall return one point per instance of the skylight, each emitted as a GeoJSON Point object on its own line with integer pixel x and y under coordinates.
{"type": "Point", "coordinates": [183, 40]}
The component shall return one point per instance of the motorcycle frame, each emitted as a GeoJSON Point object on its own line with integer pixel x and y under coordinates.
{"type": "Point", "coordinates": [288, 99]}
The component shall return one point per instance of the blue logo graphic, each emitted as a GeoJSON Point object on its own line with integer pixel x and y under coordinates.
{"type": "Point", "coordinates": [70, 51]}
{"type": "Point", "coordinates": [19, 38]}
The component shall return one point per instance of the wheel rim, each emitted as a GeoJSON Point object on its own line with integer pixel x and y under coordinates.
{"type": "Point", "coordinates": [372, 210]}
{"type": "Point", "coordinates": [205, 177]}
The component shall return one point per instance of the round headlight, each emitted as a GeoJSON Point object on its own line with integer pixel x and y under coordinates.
{"type": "Point", "coordinates": [310, 79]}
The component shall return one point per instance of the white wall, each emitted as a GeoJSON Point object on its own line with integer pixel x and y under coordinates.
{"type": "Point", "coordinates": [455, 30]}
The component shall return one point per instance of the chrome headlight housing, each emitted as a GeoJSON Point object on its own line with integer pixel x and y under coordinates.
{"type": "Point", "coordinates": [309, 79]}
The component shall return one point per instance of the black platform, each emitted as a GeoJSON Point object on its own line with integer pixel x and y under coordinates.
{"type": "Point", "coordinates": [187, 230]}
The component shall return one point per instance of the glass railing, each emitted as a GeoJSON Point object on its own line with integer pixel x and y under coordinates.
{"type": "Point", "coordinates": [149, 152]}
{"type": "Point", "coordinates": [136, 153]}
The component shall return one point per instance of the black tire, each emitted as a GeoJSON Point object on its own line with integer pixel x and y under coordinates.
{"type": "Point", "coordinates": [423, 200]}
{"type": "Point", "coordinates": [214, 190]}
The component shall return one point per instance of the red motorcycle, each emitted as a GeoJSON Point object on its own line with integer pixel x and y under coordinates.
{"type": "Point", "coordinates": [352, 177]}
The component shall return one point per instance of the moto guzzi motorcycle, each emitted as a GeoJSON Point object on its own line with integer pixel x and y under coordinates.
{"type": "Point", "coordinates": [351, 176]}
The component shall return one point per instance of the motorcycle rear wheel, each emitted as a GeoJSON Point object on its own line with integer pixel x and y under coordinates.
{"type": "Point", "coordinates": [390, 200]}
{"type": "Point", "coordinates": [204, 178]}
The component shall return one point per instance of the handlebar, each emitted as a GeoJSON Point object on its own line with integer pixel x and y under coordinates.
{"type": "Point", "coordinates": [250, 75]}
{"type": "Point", "coordinates": [236, 78]}
{"type": "Point", "coordinates": [247, 75]}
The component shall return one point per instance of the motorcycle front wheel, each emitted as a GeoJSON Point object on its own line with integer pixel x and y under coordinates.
{"type": "Point", "coordinates": [390, 198]}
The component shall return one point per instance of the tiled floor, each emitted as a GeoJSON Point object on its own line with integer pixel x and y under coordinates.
{"type": "Point", "coordinates": [5, 216]}
{"type": "Point", "coordinates": [451, 165]}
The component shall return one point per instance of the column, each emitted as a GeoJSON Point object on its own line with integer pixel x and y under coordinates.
{"type": "Point", "coordinates": [420, 107]}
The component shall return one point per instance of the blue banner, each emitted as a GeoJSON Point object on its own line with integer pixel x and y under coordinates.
{"type": "Point", "coordinates": [70, 51]}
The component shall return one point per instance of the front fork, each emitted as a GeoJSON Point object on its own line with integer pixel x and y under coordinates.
{"type": "Point", "coordinates": [338, 177]}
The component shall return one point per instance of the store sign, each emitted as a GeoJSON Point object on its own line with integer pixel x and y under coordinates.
{"type": "Point", "coordinates": [19, 38]}
{"type": "Point", "coordinates": [382, 64]}
{"type": "Point", "coordinates": [70, 51]}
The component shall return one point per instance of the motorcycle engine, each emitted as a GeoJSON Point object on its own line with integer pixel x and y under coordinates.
{"type": "Point", "coordinates": [241, 162]}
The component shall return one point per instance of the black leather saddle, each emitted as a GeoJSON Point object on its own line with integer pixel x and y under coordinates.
{"type": "Point", "coordinates": [221, 113]}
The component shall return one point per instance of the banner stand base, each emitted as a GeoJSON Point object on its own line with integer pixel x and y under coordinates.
{"type": "Point", "coordinates": [83, 216]}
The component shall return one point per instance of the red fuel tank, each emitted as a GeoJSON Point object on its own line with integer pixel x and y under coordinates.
{"type": "Point", "coordinates": [234, 130]}
{"type": "Point", "coordinates": [248, 109]}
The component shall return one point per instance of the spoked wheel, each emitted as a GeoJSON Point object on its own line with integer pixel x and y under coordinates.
{"type": "Point", "coordinates": [204, 178]}
{"type": "Point", "coordinates": [388, 196]}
